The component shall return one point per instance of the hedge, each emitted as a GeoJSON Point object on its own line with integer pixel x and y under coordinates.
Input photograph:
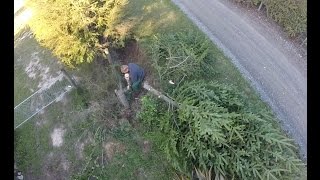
{"type": "Point", "coordinates": [290, 14]}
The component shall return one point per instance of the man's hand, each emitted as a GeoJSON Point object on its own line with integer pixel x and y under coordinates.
{"type": "Point", "coordinates": [126, 76]}
{"type": "Point", "coordinates": [128, 87]}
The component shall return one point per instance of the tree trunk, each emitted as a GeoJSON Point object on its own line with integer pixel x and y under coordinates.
{"type": "Point", "coordinates": [159, 94]}
{"type": "Point", "coordinates": [122, 98]}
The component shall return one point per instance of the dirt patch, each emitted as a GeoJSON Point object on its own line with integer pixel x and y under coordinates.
{"type": "Point", "coordinates": [146, 147]}
{"type": "Point", "coordinates": [113, 148]}
{"type": "Point", "coordinates": [133, 53]}
{"type": "Point", "coordinates": [80, 147]}
{"type": "Point", "coordinates": [57, 137]}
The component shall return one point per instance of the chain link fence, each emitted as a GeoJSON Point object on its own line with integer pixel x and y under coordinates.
{"type": "Point", "coordinates": [41, 99]}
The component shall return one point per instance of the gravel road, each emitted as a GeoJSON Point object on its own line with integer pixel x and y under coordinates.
{"type": "Point", "coordinates": [276, 72]}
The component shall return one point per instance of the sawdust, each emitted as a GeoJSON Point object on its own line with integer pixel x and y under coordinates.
{"type": "Point", "coordinates": [57, 137]}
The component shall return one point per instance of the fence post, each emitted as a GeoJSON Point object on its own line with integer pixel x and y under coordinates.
{"type": "Point", "coordinates": [303, 42]}
{"type": "Point", "coordinates": [69, 77]}
{"type": "Point", "coordinates": [260, 5]}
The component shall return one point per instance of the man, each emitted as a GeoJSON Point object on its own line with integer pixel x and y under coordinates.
{"type": "Point", "coordinates": [134, 76]}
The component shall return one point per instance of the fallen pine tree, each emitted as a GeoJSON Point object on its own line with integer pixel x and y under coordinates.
{"type": "Point", "coordinates": [213, 127]}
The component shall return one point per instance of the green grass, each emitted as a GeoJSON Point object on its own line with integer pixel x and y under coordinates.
{"type": "Point", "coordinates": [127, 164]}
{"type": "Point", "coordinates": [25, 148]}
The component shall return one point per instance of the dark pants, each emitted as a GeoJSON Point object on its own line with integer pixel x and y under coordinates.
{"type": "Point", "coordinates": [134, 90]}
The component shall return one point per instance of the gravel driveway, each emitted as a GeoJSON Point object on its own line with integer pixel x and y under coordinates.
{"type": "Point", "coordinates": [274, 71]}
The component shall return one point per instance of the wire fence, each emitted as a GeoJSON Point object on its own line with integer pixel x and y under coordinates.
{"type": "Point", "coordinates": [41, 99]}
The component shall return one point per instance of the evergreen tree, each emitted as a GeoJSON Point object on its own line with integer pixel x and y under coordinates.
{"type": "Point", "coordinates": [73, 29]}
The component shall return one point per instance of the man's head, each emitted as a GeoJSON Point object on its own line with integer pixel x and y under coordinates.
{"type": "Point", "coordinates": [124, 69]}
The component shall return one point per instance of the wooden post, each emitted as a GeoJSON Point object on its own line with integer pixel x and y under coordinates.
{"type": "Point", "coordinates": [303, 42]}
{"type": "Point", "coordinates": [106, 51]}
{"type": "Point", "coordinates": [69, 78]}
{"type": "Point", "coordinates": [260, 5]}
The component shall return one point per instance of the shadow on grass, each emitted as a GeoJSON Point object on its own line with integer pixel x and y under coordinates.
{"type": "Point", "coordinates": [146, 18]}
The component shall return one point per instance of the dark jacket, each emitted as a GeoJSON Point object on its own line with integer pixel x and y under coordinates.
{"type": "Point", "coordinates": [136, 73]}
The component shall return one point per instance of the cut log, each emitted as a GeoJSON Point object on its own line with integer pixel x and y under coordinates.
{"type": "Point", "coordinates": [122, 98]}
{"type": "Point", "coordinates": [159, 94]}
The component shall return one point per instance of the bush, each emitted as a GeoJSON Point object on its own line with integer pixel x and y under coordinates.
{"type": "Point", "coordinates": [212, 128]}
{"type": "Point", "coordinates": [72, 29]}
{"type": "Point", "coordinates": [290, 14]}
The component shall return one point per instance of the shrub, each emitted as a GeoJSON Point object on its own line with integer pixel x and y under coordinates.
{"type": "Point", "coordinates": [290, 14]}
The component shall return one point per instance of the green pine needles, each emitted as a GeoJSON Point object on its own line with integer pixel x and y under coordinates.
{"type": "Point", "coordinates": [212, 128]}
{"type": "Point", "coordinates": [181, 56]}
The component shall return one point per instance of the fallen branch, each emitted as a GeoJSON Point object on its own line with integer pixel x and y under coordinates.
{"type": "Point", "coordinates": [179, 63]}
